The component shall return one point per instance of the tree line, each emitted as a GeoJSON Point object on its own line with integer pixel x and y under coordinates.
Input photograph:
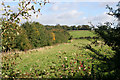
{"type": "Point", "coordinates": [66, 27]}
{"type": "Point", "coordinates": [31, 35]}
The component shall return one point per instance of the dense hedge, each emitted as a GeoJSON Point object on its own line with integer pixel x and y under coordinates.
{"type": "Point", "coordinates": [30, 35]}
{"type": "Point", "coordinates": [37, 34]}
{"type": "Point", "coordinates": [14, 37]}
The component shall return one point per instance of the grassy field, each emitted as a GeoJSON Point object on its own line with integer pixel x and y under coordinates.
{"type": "Point", "coordinates": [46, 56]}
{"type": "Point", "coordinates": [53, 59]}
{"type": "Point", "coordinates": [82, 33]}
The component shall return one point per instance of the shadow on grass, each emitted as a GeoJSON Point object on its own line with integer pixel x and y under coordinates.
{"type": "Point", "coordinates": [107, 67]}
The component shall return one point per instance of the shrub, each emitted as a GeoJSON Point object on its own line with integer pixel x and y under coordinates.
{"type": "Point", "coordinates": [14, 37]}
{"type": "Point", "coordinates": [60, 35]}
{"type": "Point", "coordinates": [37, 34]}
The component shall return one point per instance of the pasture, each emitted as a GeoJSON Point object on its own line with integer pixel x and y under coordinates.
{"type": "Point", "coordinates": [63, 60]}
{"type": "Point", "coordinates": [81, 33]}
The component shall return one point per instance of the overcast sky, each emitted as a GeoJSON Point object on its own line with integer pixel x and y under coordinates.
{"type": "Point", "coordinates": [71, 12]}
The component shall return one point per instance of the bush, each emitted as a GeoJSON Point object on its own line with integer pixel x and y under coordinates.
{"type": "Point", "coordinates": [22, 42]}
{"type": "Point", "coordinates": [61, 36]}
{"type": "Point", "coordinates": [37, 34]}
{"type": "Point", "coordinates": [14, 37]}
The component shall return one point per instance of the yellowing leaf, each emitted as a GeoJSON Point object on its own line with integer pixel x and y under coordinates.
{"type": "Point", "coordinates": [23, 17]}
{"type": "Point", "coordinates": [20, 20]}
{"type": "Point", "coordinates": [8, 6]}
{"type": "Point", "coordinates": [10, 11]}
{"type": "Point", "coordinates": [2, 3]}
{"type": "Point", "coordinates": [35, 2]}
{"type": "Point", "coordinates": [19, 8]}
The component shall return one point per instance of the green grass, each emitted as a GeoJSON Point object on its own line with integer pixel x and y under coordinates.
{"type": "Point", "coordinates": [82, 33]}
{"type": "Point", "coordinates": [55, 55]}
{"type": "Point", "coordinates": [45, 57]}
{"type": "Point", "coordinates": [0, 48]}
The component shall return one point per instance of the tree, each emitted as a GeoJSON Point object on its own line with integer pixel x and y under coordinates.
{"type": "Point", "coordinates": [85, 27]}
{"type": "Point", "coordinates": [14, 37]}
{"type": "Point", "coordinates": [23, 10]}
{"type": "Point", "coordinates": [78, 27]}
{"type": "Point", "coordinates": [11, 18]}
{"type": "Point", "coordinates": [73, 27]}
{"type": "Point", "coordinates": [37, 34]}
{"type": "Point", "coordinates": [111, 37]}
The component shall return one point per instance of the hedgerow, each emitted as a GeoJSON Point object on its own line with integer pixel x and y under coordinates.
{"type": "Point", "coordinates": [14, 37]}
{"type": "Point", "coordinates": [30, 35]}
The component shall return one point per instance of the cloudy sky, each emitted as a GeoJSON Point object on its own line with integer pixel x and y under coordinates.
{"type": "Point", "coordinates": [71, 12]}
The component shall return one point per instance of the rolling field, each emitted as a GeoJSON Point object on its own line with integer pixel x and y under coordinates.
{"type": "Point", "coordinates": [82, 33]}
{"type": "Point", "coordinates": [45, 56]}
{"type": "Point", "coordinates": [54, 61]}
